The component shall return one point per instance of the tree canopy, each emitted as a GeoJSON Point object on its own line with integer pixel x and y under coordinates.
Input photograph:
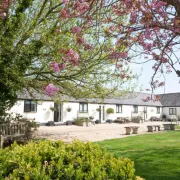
{"type": "Point", "coordinates": [81, 47]}
{"type": "Point", "coordinates": [56, 46]}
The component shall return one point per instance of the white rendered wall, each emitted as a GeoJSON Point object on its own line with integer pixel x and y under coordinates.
{"type": "Point", "coordinates": [127, 111]}
{"type": "Point", "coordinates": [69, 115]}
{"type": "Point", "coordinates": [166, 112]}
{"type": "Point", "coordinates": [43, 114]}
{"type": "Point", "coordinates": [152, 112]}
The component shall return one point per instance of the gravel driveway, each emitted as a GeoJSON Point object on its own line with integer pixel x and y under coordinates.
{"type": "Point", "coordinates": [98, 132]}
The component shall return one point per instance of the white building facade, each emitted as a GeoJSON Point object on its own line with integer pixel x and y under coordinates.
{"type": "Point", "coordinates": [43, 109]}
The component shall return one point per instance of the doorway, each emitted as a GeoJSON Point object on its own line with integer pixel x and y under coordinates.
{"type": "Point", "coordinates": [145, 113]}
{"type": "Point", "coordinates": [57, 112]}
{"type": "Point", "coordinates": [101, 113]}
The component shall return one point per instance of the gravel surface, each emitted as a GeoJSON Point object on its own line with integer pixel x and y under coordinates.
{"type": "Point", "coordinates": [98, 132]}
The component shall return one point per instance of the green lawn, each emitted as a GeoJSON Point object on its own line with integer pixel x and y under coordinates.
{"type": "Point", "coordinates": [156, 156]}
{"type": "Point", "coordinates": [177, 126]}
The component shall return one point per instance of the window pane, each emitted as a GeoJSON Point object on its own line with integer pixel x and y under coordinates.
{"type": "Point", "coordinates": [158, 110]}
{"type": "Point", "coordinates": [85, 107]}
{"type": "Point", "coordinates": [27, 106]}
{"type": "Point", "coordinates": [135, 109]}
{"type": "Point", "coordinates": [33, 106]}
{"type": "Point", "coordinates": [170, 111]}
{"type": "Point", "coordinates": [174, 111]}
{"type": "Point", "coordinates": [120, 108]}
{"type": "Point", "coordinates": [80, 107]}
{"type": "Point", "coordinates": [117, 108]}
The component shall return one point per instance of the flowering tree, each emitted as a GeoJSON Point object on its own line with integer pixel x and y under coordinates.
{"type": "Point", "coordinates": [150, 33]}
{"type": "Point", "coordinates": [56, 46]}
{"type": "Point", "coordinates": [77, 47]}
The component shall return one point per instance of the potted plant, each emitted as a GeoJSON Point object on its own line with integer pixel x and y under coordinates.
{"type": "Point", "coordinates": [81, 121]}
{"type": "Point", "coordinates": [68, 109]}
{"type": "Point", "coordinates": [68, 123]}
{"type": "Point", "coordinates": [91, 117]}
{"type": "Point", "coordinates": [52, 108]}
{"type": "Point", "coordinates": [98, 109]}
{"type": "Point", "coordinates": [110, 111]}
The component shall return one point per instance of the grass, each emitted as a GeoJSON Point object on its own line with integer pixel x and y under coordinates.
{"type": "Point", "coordinates": [156, 156]}
{"type": "Point", "coordinates": [178, 127]}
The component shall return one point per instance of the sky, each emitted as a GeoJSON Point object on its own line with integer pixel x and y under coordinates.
{"type": "Point", "coordinates": [172, 82]}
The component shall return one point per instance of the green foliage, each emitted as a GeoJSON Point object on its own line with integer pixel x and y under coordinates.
{"type": "Point", "coordinates": [29, 44]}
{"type": "Point", "coordinates": [47, 160]}
{"type": "Point", "coordinates": [79, 121]}
{"type": "Point", "coordinates": [110, 111]}
{"type": "Point", "coordinates": [68, 109]}
{"type": "Point", "coordinates": [31, 125]}
{"type": "Point", "coordinates": [136, 119]}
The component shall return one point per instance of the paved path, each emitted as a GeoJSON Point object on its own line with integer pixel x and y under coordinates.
{"type": "Point", "coordinates": [98, 132]}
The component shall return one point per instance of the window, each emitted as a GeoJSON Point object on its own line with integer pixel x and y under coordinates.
{"type": "Point", "coordinates": [83, 107]}
{"type": "Point", "coordinates": [135, 109]}
{"type": "Point", "coordinates": [118, 108]}
{"type": "Point", "coordinates": [30, 106]}
{"type": "Point", "coordinates": [157, 110]}
{"type": "Point", "coordinates": [172, 111]}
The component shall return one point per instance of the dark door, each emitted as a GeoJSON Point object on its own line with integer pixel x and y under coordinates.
{"type": "Point", "coordinates": [101, 113]}
{"type": "Point", "coordinates": [57, 112]}
{"type": "Point", "coordinates": [145, 113]}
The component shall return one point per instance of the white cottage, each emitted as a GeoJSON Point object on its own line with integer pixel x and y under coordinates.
{"type": "Point", "coordinates": [43, 109]}
{"type": "Point", "coordinates": [171, 105]}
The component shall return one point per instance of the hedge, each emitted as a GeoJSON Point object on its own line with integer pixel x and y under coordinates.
{"type": "Point", "coordinates": [45, 160]}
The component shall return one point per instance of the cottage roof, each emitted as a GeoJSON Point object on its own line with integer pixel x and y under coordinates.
{"type": "Point", "coordinates": [170, 99]}
{"type": "Point", "coordinates": [133, 98]}
{"type": "Point", "coordinates": [34, 95]}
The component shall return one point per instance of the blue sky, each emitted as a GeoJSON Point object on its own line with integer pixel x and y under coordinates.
{"type": "Point", "coordinates": [171, 84]}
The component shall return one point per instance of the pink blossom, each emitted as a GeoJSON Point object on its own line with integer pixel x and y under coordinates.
{"type": "Point", "coordinates": [81, 7]}
{"type": "Point", "coordinates": [76, 29]}
{"type": "Point", "coordinates": [147, 34]}
{"type": "Point", "coordinates": [51, 90]}
{"type": "Point", "coordinates": [112, 28]}
{"type": "Point", "coordinates": [148, 98]}
{"type": "Point", "coordinates": [133, 17]}
{"type": "Point", "coordinates": [87, 46]}
{"type": "Point", "coordinates": [3, 15]}
{"type": "Point", "coordinates": [58, 31]}
{"type": "Point", "coordinates": [62, 66]}
{"type": "Point", "coordinates": [58, 67]}
{"type": "Point", "coordinates": [117, 55]}
{"type": "Point", "coordinates": [72, 57]}
{"type": "Point", "coordinates": [161, 84]}
{"type": "Point", "coordinates": [147, 46]}
{"type": "Point", "coordinates": [55, 66]}
{"type": "Point", "coordinates": [80, 40]}
{"type": "Point", "coordinates": [70, 52]}
{"type": "Point", "coordinates": [65, 1]}
{"type": "Point", "coordinates": [64, 14]}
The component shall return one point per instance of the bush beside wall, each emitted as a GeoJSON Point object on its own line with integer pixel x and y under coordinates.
{"type": "Point", "coordinates": [45, 160]}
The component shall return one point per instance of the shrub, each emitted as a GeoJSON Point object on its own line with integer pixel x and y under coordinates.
{"type": "Point", "coordinates": [110, 110]}
{"type": "Point", "coordinates": [136, 119]}
{"type": "Point", "coordinates": [164, 116]}
{"type": "Point", "coordinates": [79, 121]}
{"type": "Point", "coordinates": [68, 109]}
{"type": "Point", "coordinates": [11, 118]}
{"type": "Point", "coordinates": [45, 160]}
